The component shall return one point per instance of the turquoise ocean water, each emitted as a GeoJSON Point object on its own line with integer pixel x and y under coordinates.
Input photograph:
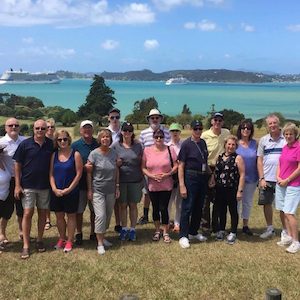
{"type": "Point", "coordinates": [253, 100]}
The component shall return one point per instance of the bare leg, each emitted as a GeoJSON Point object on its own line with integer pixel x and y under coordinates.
{"type": "Point", "coordinates": [283, 219]}
{"type": "Point", "coordinates": [61, 225]}
{"type": "Point", "coordinates": [100, 238]}
{"type": "Point", "coordinates": [3, 229]}
{"type": "Point", "coordinates": [117, 212]}
{"type": "Point", "coordinates": [292, 226]}
{"type": "Point", "coordinates": [133, 213]}
{"type": "Point", "coordinates": [26, 226]}
{"type": "Point", "coordinates": [79, 221]}
{"type": "Point", "coordinates": [124, 214]}
{"type": "Point", "coordinates": [92, 221]}
{"type": "Point", "coordinates": [41, 223]}
{"type": "Point", "coordinates": [268, 211]}
{"type": "Point", "coordinates": [71, 225]}
{"type": "Point", "coordinates": [19, 219]}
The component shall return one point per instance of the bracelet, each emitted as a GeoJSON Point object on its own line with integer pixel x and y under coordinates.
{"type": "Point", "coordinates": [260, 179]}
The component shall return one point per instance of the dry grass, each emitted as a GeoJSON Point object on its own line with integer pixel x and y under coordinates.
{"type": "Point", "coordinates": [213, 270]}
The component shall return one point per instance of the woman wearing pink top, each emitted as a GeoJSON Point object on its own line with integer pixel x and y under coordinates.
{"type": "Point", "coordinates": [156, 165]}
{"type": "Point", "coordinates": [288, 186]}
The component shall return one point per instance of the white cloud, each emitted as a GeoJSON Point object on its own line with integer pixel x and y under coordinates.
{"type": "Point", "coordinates": [47, 52]}
{"type": "Point", "coordinates": [166, 5]}
{"type": "Point", "coordinates": [27, 40]}
{"type": "Point", "coordinates": [72, 13]}
{"type": "Point", "coordinates": [151, 44]}
{"type": "Point", "coordinates": [294, 27]}
{"type": "Point", "coordinates": [206, 25]}
{"type": "Point", "coordinates": [110, 45]}
{"type": "Point", "coordinates": [190, 25]}
{"type": "Point", "coordinates": [247, 27]}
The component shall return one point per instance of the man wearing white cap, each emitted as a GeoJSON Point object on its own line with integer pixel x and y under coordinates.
{"type": "Point", "coordinates": [84, 146]}
{"type": "Point", "coordinates": [146, 139]}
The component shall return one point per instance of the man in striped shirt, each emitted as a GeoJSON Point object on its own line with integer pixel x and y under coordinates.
{"type": "Point", "coordinates": [268, 153]}
{"type": "Point", "coordinates": [146, 139]}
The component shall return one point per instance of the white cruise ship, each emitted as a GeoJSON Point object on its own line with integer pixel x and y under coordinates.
{"type": "Point", "coordinates": [16, 77]}
{"type": "Point", "coordinates": [177, 80]}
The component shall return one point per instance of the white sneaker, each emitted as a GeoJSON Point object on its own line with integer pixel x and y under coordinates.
{"type": "Point", "coordinates": [231, 238]}
{"type": "Point", "coordinates": [100, 250]}
{"type": "Point", "coordinates": [106, 243]}
{"type": "Point", "coordinates": [184, 242]}
{"type": "Point", "coordinates": [267, 234]}
{"type": "Point", "coordinates": [285, 240]}
{"type": "Point", "coordinates": [199, 237]}
{"type": "Point", "coordinates": [294, 247]}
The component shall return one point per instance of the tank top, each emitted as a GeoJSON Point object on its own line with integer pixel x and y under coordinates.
{"type": "Point", "coordinates": [64, 172]}
{"type": "Point", "coordinates": [226, 172]}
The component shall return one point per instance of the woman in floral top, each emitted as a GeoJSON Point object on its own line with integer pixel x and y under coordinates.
{"type": "Point", "coordinates": [230, 179]}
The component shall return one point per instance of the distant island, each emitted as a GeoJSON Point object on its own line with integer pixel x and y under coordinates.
{"type": "Point", "coordinates": [211, 75]}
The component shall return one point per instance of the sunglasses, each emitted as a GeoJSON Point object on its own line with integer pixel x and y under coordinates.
{"type": "Point", "coordinates": [174, 130]}
{"type": "Point", "coordinates": [13, 125]}
{"type": "Point", "coordinates": [198, 128]}
{"type": "Point", "coordinates": [159, 137]}
{"type": "Point", "coordinates": [154, 118]}
{"type": "Point", "coordinates": [127, 130]}
{"type": "Point", "coordinates": [50, 127]}
{"type": "Point", "coordinates": [114, 117]}
{"type": "Point", "coordinates": [62, 139]}
{"type": "Point", "coordinates": [246, 127]}
{"type": "Point", "coordinates": [40, 128]}
{"type": "Point", "coordinates": [218, 120]}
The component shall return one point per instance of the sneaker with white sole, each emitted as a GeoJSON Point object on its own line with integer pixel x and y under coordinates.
{"type": "Point", "coordinates": [199, 237]}
{"type": "Point", "coordinates": [294, 247]}
{"type": "Point", "coordinates": [100, 250]}
{"type": "Point", "coordinates": [184, 242]}
{"type": "Point", "coordinates": [231, 238]}
{"type": "Point", "coordinates": [285, 240]}
{"type": "Point", "coordinates": [106, 243]}
{"type": "Point", "coordinates": [267, 234]}
{"type": "Point", "coordinates": [220, 235]}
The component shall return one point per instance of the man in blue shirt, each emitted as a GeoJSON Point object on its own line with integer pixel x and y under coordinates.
{"type": "Point", "coordinates": [32, 163]}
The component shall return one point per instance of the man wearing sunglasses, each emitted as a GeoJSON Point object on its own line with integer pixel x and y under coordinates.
{"type": "Point", "coordinates": [32, 164]}
{"type": "Point", "coordinates": [214, 138]}
{"type": "Point", "coordinates": [11, 141]}
{"type": "Point", "coordinates": [146, 139]}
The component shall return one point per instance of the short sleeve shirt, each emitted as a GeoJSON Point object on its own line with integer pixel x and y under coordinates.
{"type": "Point", "coordinates": [104, 171]}
{"type": "Point", "coordinates": [146, 136]}
{"type": "Point", "coordinates": [35, 163]}
{"type": "Point", "coordinates": [289, 160]}
{"type": "Point", "coordinates": [270, 150]}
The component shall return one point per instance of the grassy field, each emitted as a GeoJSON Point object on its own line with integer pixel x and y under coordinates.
{"type": "Point", "coordinates": [212, 270]}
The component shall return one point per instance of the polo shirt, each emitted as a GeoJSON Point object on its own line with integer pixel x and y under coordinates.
{"type": "Point", "coordinates": [84, 149]}
{"type": "Point", "coordinates": [215, 144]}
{"type": "Point", "coordinates": [11, 147]}
{"type": "Point", "coordinates": [193, 154]}
{"type": "Point", "coordinates": [35, 163]}
{"type": "Point", "coordinates": [289, 160]}
{"type": "Point", "coordinates": [175, 146]}
{"type": "Point", "coordinates": [270, 150]}
{"type": "Point", "coordinates": [146, 136]}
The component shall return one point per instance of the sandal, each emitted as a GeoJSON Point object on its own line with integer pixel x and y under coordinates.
{"type": "Point", "coordinates": [166, 238]}
{"type": "Point", "coordinates": [24, 253]}
{"type": "Point", "coordinates": [4, 242]}
{"type": "Point", "coordinates": [156, 236]}
{"type": "Point", "coordinates": [39, 245]}
{"type": "Point", "coordinates": [48, 225]}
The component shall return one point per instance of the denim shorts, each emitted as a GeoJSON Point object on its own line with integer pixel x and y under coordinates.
{"type": "Point", "coordinates": [287, 198]}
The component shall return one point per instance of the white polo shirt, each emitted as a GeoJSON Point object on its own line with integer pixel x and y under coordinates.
{"type": "Point", "coordinates": [146, 136]}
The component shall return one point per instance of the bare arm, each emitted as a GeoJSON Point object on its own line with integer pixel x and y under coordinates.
{"type": "Point", "coordinates": [55, 190]}
{"type": "Point", "coordinates": [295, 174]}
{"type": "Point", "coordinates": [260, 169]}
{"type": "Point", "coordinates": [18, 189]}
{"type": "Point", "coordinates": [89, 170]}
{"type": "Point", "coordinates": [117, 182]}
{"type": "Point", "coordinates": [241, 166]}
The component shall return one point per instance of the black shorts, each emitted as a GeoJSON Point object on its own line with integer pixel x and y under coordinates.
{"type": "Point", "coordinates": [18, 203]}
{"type": "Point", "coordinates": [67, 204]}
{"type": "Point", "coordinates": [6, 208]}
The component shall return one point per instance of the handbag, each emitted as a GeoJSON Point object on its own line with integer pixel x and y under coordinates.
{"type": "Point", "coordinates": [175, 175]}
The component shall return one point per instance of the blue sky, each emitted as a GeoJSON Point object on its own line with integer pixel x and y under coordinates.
{"type": "Point", "coordinates": [160, 35]}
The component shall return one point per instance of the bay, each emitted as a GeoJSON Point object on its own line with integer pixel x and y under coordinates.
{"type": "Point", "coordinates": [253, 100]}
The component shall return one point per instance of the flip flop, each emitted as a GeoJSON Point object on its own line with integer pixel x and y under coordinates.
{"type": "Point", "coordinates": [48, 225]}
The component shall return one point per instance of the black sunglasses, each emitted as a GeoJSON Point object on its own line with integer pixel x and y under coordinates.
{"type": "Point", "coordinates": [40, 128]}
{"type": "Point", "coordinates": [246, 127]}
{"type": "Point", "coordinates": [198, 128]}
{"type": "Point", "coordinates": [62, 139]}
{"type": "Point", "coordinates": [50, 126]}
{"type": "Point", "coordinates": [114, 117]}
{"type": "Point", "coordinates": [159, 137]}
{"type": "Point", "coordinates": [154, 118]}
{"type": "Point", "coordinates": [13, 125]}
{"type": "Point", "coordinates": [218, 120]}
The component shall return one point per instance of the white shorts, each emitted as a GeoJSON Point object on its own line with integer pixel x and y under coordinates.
{"type": "Point", "coordinates": [287, 198]}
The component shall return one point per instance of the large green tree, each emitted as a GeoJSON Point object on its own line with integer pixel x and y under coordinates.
{"type": "Point", "coordinates": [99, 100]}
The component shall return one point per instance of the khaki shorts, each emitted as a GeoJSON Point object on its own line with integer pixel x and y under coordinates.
{"type": "Point", "coordinates": [38, 198]}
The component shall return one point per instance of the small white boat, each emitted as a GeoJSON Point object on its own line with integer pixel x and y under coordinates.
{"type": "Point", "coordinates": [177, 80]}
{"type": "Point", "coordinates": [16, 77]}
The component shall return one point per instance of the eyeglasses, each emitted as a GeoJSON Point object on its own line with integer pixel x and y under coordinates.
{"type": "Point", "coordinates": [159, 137]}
{"type": "Point", "coordinates": [246, 127]}
{"type": "Point", "coordinates": [197, 128]}
{"type": "Point", "coordinates": [62, 139]}
{"type": "Point", "coordinates": [40, 128]}
{"type": "Point", "coordinates": [50, 127]}
{"type": "Point", "coordinates": [218, 120]}
{"type": "Point", "coordinates": [154, 118]}
{"type": "Point", "coordinates": [13, 125]}
{"type": "Point", "coordinates": [114, 117]}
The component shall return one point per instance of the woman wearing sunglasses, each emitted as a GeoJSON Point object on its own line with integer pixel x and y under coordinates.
{"type": "Point", "coordinates": [65, 173]}
{"type": "Point", "coordinates": [156, 165]}
{"type": "Point", "coordinates": [247, 149]}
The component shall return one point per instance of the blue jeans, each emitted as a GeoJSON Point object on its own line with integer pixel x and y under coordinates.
{"type": "Point", "coordinates": [191, 207]}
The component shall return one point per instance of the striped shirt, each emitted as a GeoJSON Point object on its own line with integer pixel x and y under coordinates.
{"type": "Point", "coordinates": [146, 136]}
{"type": "Point", "coordinates": [270, 150]}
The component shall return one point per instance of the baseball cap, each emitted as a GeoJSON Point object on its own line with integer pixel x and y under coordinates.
{"type": "Point", "coordinates": [127, 126]}
{"type": "Point", "coordinates": [196, 124]}
{"type": "Point", "coordinates": [114, 109]}
{"type": "Point", "coordinates": [218, 115]}
{"type": "Point", "coordinates": [175, 126]}
{"type": "Point", "coordinates": [86, 122]}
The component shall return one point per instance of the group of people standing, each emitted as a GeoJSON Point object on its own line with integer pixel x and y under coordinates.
{"type": "Point", "coordinates": [113, 172]}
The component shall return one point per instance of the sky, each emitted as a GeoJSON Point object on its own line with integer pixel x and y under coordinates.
{"type": "Point", "coordinates": [160, 35]}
